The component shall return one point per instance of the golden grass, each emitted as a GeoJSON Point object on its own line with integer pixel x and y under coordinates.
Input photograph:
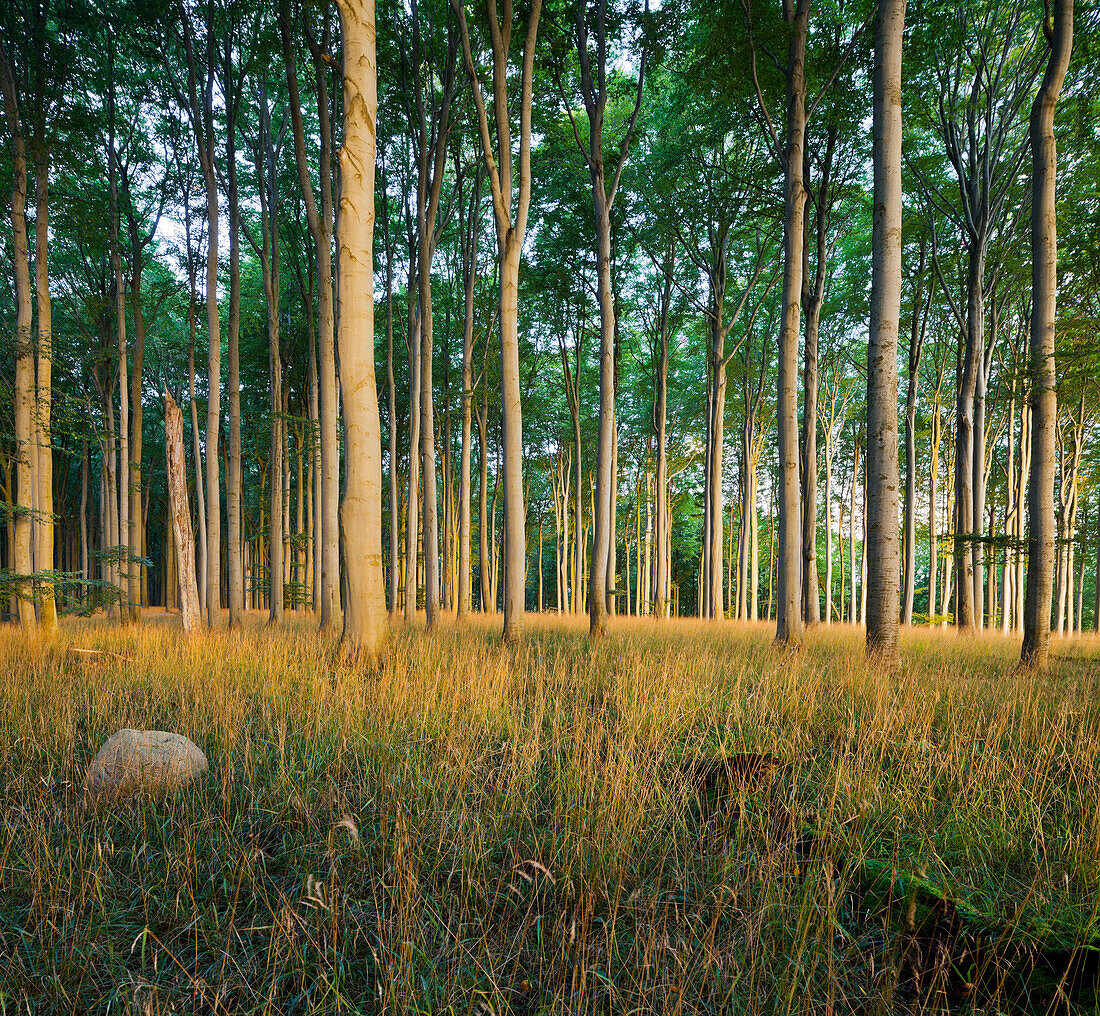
{"type": "Point", "coordinates": [482, 829]}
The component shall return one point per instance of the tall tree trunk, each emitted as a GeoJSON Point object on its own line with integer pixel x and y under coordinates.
{"type": "Point", "coordinates": [412, 501]}
{"type": "Point", "coordinates": [1096, 581]}
{"type": "Point", "coordinates": [510, 235]}
{"type": "Point", "coordinates": [661, 600]}
{"type": "Point", "coordinates": [1035, 650]}
{"type": "Point", "coordinates": [320, 222]}
{"type": "Point", "coordinates": [714, 593]}
{"type": "Point", "coordinates": [200, 500]}
{"type": "Point", "coordinates": [852, 607]}
{"type": "Point", "coordinates": [789, 614]}
{"type": "Point", "coordinates": [967, 443]}
{"type": "Point", "coordinates": [828, 530]}
{"type": "Point", "coordinates": [125, 548]}
{"type": "Point", "coordinates": [488, 604]}
{"type": "Point", "coordinates": [391, 391]}
{"type": "Point", "coordinates": [909, 525]}
{"type": "Point", "coordinates": [24, 354]}
{"type": "Point", "coordinates": [361, 512]}
{"type": "Point", "coordinates": [470, 234]}
{"type": "Point", "coordinates": [213, 404]}
{"type": "Point", "coordinates": [883, 578]}
{"type": "Point", "coordinates": [233, 479]}
{"type": "Point", "coordinates": [813, 299]}
{"type": "Point", "coordinates": [44, 535]}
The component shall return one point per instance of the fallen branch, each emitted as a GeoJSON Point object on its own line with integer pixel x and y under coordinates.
{"type": "Point", "coordinates": [100, 652]}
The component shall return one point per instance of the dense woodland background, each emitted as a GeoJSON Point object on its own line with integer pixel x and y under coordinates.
{"type": "Point", "coordinates": [152, 128]}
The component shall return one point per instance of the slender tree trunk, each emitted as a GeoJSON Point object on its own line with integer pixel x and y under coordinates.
{"type": "Point", "coordinates": [44, 532]}
{"type": "Point", "coordinates": [967, 443]}
{"type": "Point", "coordinates": [813, 299]}
{"type": "Point", "coordinates": [883, 578]}
{"type": "Point", "coordinates": [391, 388]}
{"type": "Point", "coordinates": [213, 403]}
{"type": "Point", "coordinates": [488, 604]}
{"type": "Point", "coordinates": [469, 279]}
{"type": "Point", "coordinates": [510, 234]}
{"type": "Point", "coordinates": [829, 531]}
{"type": "Point", "coordinates": [1096, 581]}
{"type": "Point", "coordinates": [200, 500]}
{"type": "Point", "coordinates": [662, 586]}
{"type": "Point", "coordinates": [233, 479]}
{"type": "Point", "coordinates": [1044, 407]}
{"type": "Point", "coordinates": [321, 229]}
{"type": "Point", "coordinates": [714, 594]}
{"type": "Point", "coordinates": [909, 526]}
{"type": "Point", "coordinates": [789, 614]}
{"type": "Point", "coordinates": [412, 501]}
{"type": "Point", "coordinates": [602, 534]}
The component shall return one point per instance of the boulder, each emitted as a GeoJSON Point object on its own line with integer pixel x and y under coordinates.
{"type": "Point", "coordinates": [136, 763]}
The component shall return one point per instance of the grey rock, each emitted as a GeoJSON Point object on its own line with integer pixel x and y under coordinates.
{"type": "Point", "coordinates": [136, 763]}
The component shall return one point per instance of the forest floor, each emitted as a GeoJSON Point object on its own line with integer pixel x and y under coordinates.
{"type": "Point", "coordinates": [552, 828]}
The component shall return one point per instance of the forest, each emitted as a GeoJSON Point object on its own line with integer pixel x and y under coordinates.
{"type": "Point", "coordinates": [553, 457]}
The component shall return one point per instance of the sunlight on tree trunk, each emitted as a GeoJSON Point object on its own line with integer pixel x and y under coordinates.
{"type": "Point", "coordinates": [883, 577]}
{"type": "Point", "coordinates": [365, 624]}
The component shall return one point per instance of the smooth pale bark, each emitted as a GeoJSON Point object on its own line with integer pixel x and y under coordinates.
{"type": "Point", "coordinates": [1096, 581]}
{"type": "Point", "coordinates": [714, 596]}
{"type": "Point", "coordinates": [44, 534]}
{"type": "Point", "coordinates": [391, 391]}
{"type": "Point", "coordinates": [883, 572]}
{"type": "Point", "coordinates": [1079, 621]}
{"type": "Point", "coordinates": [180, 511]}
{"type": "Point", "coordinates": [789, 614]}
{"type": "Point", "coordinates": [265, 154]}
{"type": "Point", "coordinates": [572, 382]}
{"type": "Point", "coordinates": [594, 95]}
{"type": "Point", "coordinates": [430, 140]}
{"type": "Point", "coordinates": [200, 99]}
{"type": "Point", "coordinates": [510, 212]}
{"type": "Point", "coordinates": [412, 501]}
{"type": "Point", "coordinates": [126, 549]}
{"type": "Point", "coordinates": [234, 562]}
{"type": "Point", "coordinates": [829, 533]}
{"type": "Point", "coordinates": [139, 577]}
{"type": "Point", "coordinates": [321, 221]}
{"type": "Point", "coordinates": [812, 299]}
{"type": "Point", "coordinates": [200, 499]}
{"type": "Point", "coordinates": [84, 470]}
{"type": "Point", "coordinates": [852, 616]}
{"type": "Point", "coordinates": [1008, 572]}
{"type": "Point", "coordinates": [213, 397]}
{"type": "Point", "coordinates": [909, 524]}
{"type": "Point", "coordinates": [1035, 650]}
{"type": "Point", "coordinates": [660, 415]}
{"type": "Point", "coordinates": [469, 238]}
{"type": "Point", "coordinates": [365, 623]}
{"type": "Point", "coordinates": [488, 604]}
{"type": "Point", "coordinates": [24, 355]}
{"type": "Point", "coordinates": [109, 502]}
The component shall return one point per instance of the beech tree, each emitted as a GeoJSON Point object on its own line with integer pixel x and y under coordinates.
{"type": "Point", "coordinates": [882, 352]}
{"type": "Point", "coordinates": [510, 212]}
{"type": "Point", "coordinates": [1058, 31]}
{"type": "Point", "coordinates": [361, 510]}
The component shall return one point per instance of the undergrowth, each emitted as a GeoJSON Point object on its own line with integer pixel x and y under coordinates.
{"type": "Point", "coordinates": [483, 829]}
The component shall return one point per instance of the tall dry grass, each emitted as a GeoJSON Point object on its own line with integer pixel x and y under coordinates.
{"type": "Point", "coordinates": [478, 829]}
